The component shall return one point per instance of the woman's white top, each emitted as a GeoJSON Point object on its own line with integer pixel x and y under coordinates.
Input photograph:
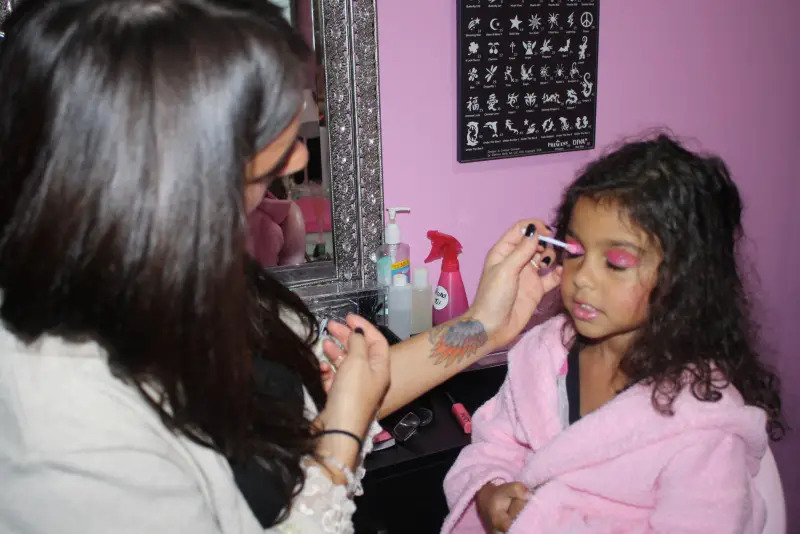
{"type": "Point", "coordinates": [83, 453]}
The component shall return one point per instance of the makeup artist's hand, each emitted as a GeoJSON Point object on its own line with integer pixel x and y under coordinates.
{"type": "Point", "coordinates": [327, 374]}
{"type": "Point", "coordinates": [510, 288]}
{"type": "Point", "coordinates": [362, 375]}
{"type": "Point", "coordinates": [499, 506]}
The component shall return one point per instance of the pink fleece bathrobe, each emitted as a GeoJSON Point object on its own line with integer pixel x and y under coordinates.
{"type": "Point", "coordinates": [624, 468]}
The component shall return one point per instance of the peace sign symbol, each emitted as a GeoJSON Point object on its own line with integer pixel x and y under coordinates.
{"type": "Point", "coordinates": [586, 19]}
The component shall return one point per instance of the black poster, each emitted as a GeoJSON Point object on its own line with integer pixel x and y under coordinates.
{"type": "Point", "coordinates": [527, 77]}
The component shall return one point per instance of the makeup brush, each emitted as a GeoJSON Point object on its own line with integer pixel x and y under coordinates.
{"type": "Point", "coordinates": [569, 247]}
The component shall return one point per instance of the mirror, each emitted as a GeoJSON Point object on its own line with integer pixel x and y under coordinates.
{"type": "Point", "coordinates": [293, 225]}
{"type": "Point", "coordinates": [339, 198]}
{"type": "Point", "coordinates": [343, 185]}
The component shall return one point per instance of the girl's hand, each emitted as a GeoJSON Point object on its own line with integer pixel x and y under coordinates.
{"type": "Point", "coordinates": [510, 287]}
{"type": "Point", "coordinates": [498, 506]}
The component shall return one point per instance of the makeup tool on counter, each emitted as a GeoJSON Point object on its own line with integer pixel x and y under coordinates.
{"type": "Point", "coordinates": [461, 414]}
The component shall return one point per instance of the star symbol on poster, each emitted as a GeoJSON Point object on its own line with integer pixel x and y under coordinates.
{"type": "Point", "coordinates": [515, 22]}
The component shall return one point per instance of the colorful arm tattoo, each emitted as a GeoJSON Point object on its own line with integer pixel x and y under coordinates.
{"type": "Point", "coordinates": [456, 341]}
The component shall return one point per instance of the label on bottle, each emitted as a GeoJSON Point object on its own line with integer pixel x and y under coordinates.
{"type": "Point", "coordinates": [440, 298]}
{"type": "Point", "coordinates": [401, 267]}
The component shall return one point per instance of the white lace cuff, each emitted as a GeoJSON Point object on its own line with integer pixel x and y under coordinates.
{"type": "Point", "coordinates": [321, 507]}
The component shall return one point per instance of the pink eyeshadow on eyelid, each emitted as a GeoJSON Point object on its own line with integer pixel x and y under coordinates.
{"type": "Point", "coordinates": [622, 258]}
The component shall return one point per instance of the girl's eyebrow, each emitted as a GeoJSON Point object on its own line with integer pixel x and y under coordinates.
{"type": "Point", "coordinates": [611, 243]}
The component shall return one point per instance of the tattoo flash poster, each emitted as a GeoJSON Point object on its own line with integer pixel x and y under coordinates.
{"type": "Point", "coordinates": [527, 77]}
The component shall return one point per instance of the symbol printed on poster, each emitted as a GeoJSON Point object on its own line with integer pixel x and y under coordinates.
{"type": "Point", "coordinates": [587, 19]}
{"type": "Point", "coordinates": [582, 48]}
{"type": "Point", "coordinates": [572, 97]}
{"type": "Point", "coordinates": [472, 133]}
{"type": "Point", "coordinates": [511, 100]}
{"type": "Point", "coordinates": [587, 85]}
{"type": "Point", "coordinates": [526, 73]}
{"type": "Point", "coordinates": [529, 47]}
{"type": "Point", "coordinates": [492, 102]}
{"type": "Point", "coordinates": [508, 76]}
{"type": "Point", "coordinates": [510, 127]}
{"type": "Point", "coordinates": [551, 98]}
{"type": "Point", "coordinates": [544, 72]}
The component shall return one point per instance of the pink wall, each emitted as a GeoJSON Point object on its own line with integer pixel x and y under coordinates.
{"type": "Point", "coordinates": [720, 71]}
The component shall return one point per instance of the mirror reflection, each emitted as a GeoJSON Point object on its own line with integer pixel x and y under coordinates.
{"type": "Point", "coordinates": [293, 223]}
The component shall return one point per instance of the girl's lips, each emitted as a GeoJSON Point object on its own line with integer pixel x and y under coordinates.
{"type": "Point", "coordinates": [583, 311]}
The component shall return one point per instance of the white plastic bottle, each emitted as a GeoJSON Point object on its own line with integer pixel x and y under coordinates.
{"type": "Point", "coordinates": [399, 253]}
{"type": "Point", "coordinates": [421, 302]}
{"type": "Point", "coordinates": [400, 306]}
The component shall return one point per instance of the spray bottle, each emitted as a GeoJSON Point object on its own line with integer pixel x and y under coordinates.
{"type": "Point", "coordinates": [450, 297]}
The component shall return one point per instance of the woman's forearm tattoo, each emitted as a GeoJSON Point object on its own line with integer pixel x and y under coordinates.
{"type": "Point", "coordinates": [454, 342]}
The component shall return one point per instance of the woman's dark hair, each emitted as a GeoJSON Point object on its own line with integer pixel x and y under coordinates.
{"type": "Point", "coordinates": [699, 311]}
{"type": "Point", "coordinates": [125, 130]}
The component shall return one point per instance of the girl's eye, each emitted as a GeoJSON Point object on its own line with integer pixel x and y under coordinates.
{"type": "Point", "coordinates": [575, 249]}
{"type": "Point", "coordinates": [619, 260]}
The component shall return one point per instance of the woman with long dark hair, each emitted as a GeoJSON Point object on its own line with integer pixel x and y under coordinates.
{"type": "Point", "coordinates": [148, 367]}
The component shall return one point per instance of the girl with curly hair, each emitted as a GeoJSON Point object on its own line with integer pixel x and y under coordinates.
{"type": "Point", "coordinates": [643, 406]}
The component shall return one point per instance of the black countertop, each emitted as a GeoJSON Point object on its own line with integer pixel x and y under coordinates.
{"type": "Point", "coordinates": [444, 435]}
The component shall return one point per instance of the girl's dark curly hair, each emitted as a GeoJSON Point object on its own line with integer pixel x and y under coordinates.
{"type": "Point", "coordinates": [699, 312]}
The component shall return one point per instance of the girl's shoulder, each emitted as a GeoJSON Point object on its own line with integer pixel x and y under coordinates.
{"type": "Point", "coordinates": [543, 347]}
{"type": "Point", "coordinates": [555, 332]}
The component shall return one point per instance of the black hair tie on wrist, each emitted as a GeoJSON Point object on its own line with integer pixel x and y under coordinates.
{"type": "Point", "coordinates": [344, 433]}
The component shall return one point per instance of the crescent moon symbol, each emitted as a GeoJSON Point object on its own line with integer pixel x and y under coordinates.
{"type": "Point", "coordinates": [491, 25]}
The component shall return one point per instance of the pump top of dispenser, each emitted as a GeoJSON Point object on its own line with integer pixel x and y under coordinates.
{"type": "Point", "coordinates": [444, 246]}
{"type": "Point", "coordinates": [392, 228]}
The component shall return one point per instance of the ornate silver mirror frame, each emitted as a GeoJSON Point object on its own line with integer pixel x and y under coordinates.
{"type": "Point", "coordinates": [350, 52]}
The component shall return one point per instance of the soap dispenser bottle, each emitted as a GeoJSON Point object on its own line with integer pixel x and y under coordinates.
{"type": "Point", "coordinates": [394, 256]}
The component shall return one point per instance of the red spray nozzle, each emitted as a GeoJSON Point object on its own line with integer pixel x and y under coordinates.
{"type": "Point", "coordinates": [444, 246]}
